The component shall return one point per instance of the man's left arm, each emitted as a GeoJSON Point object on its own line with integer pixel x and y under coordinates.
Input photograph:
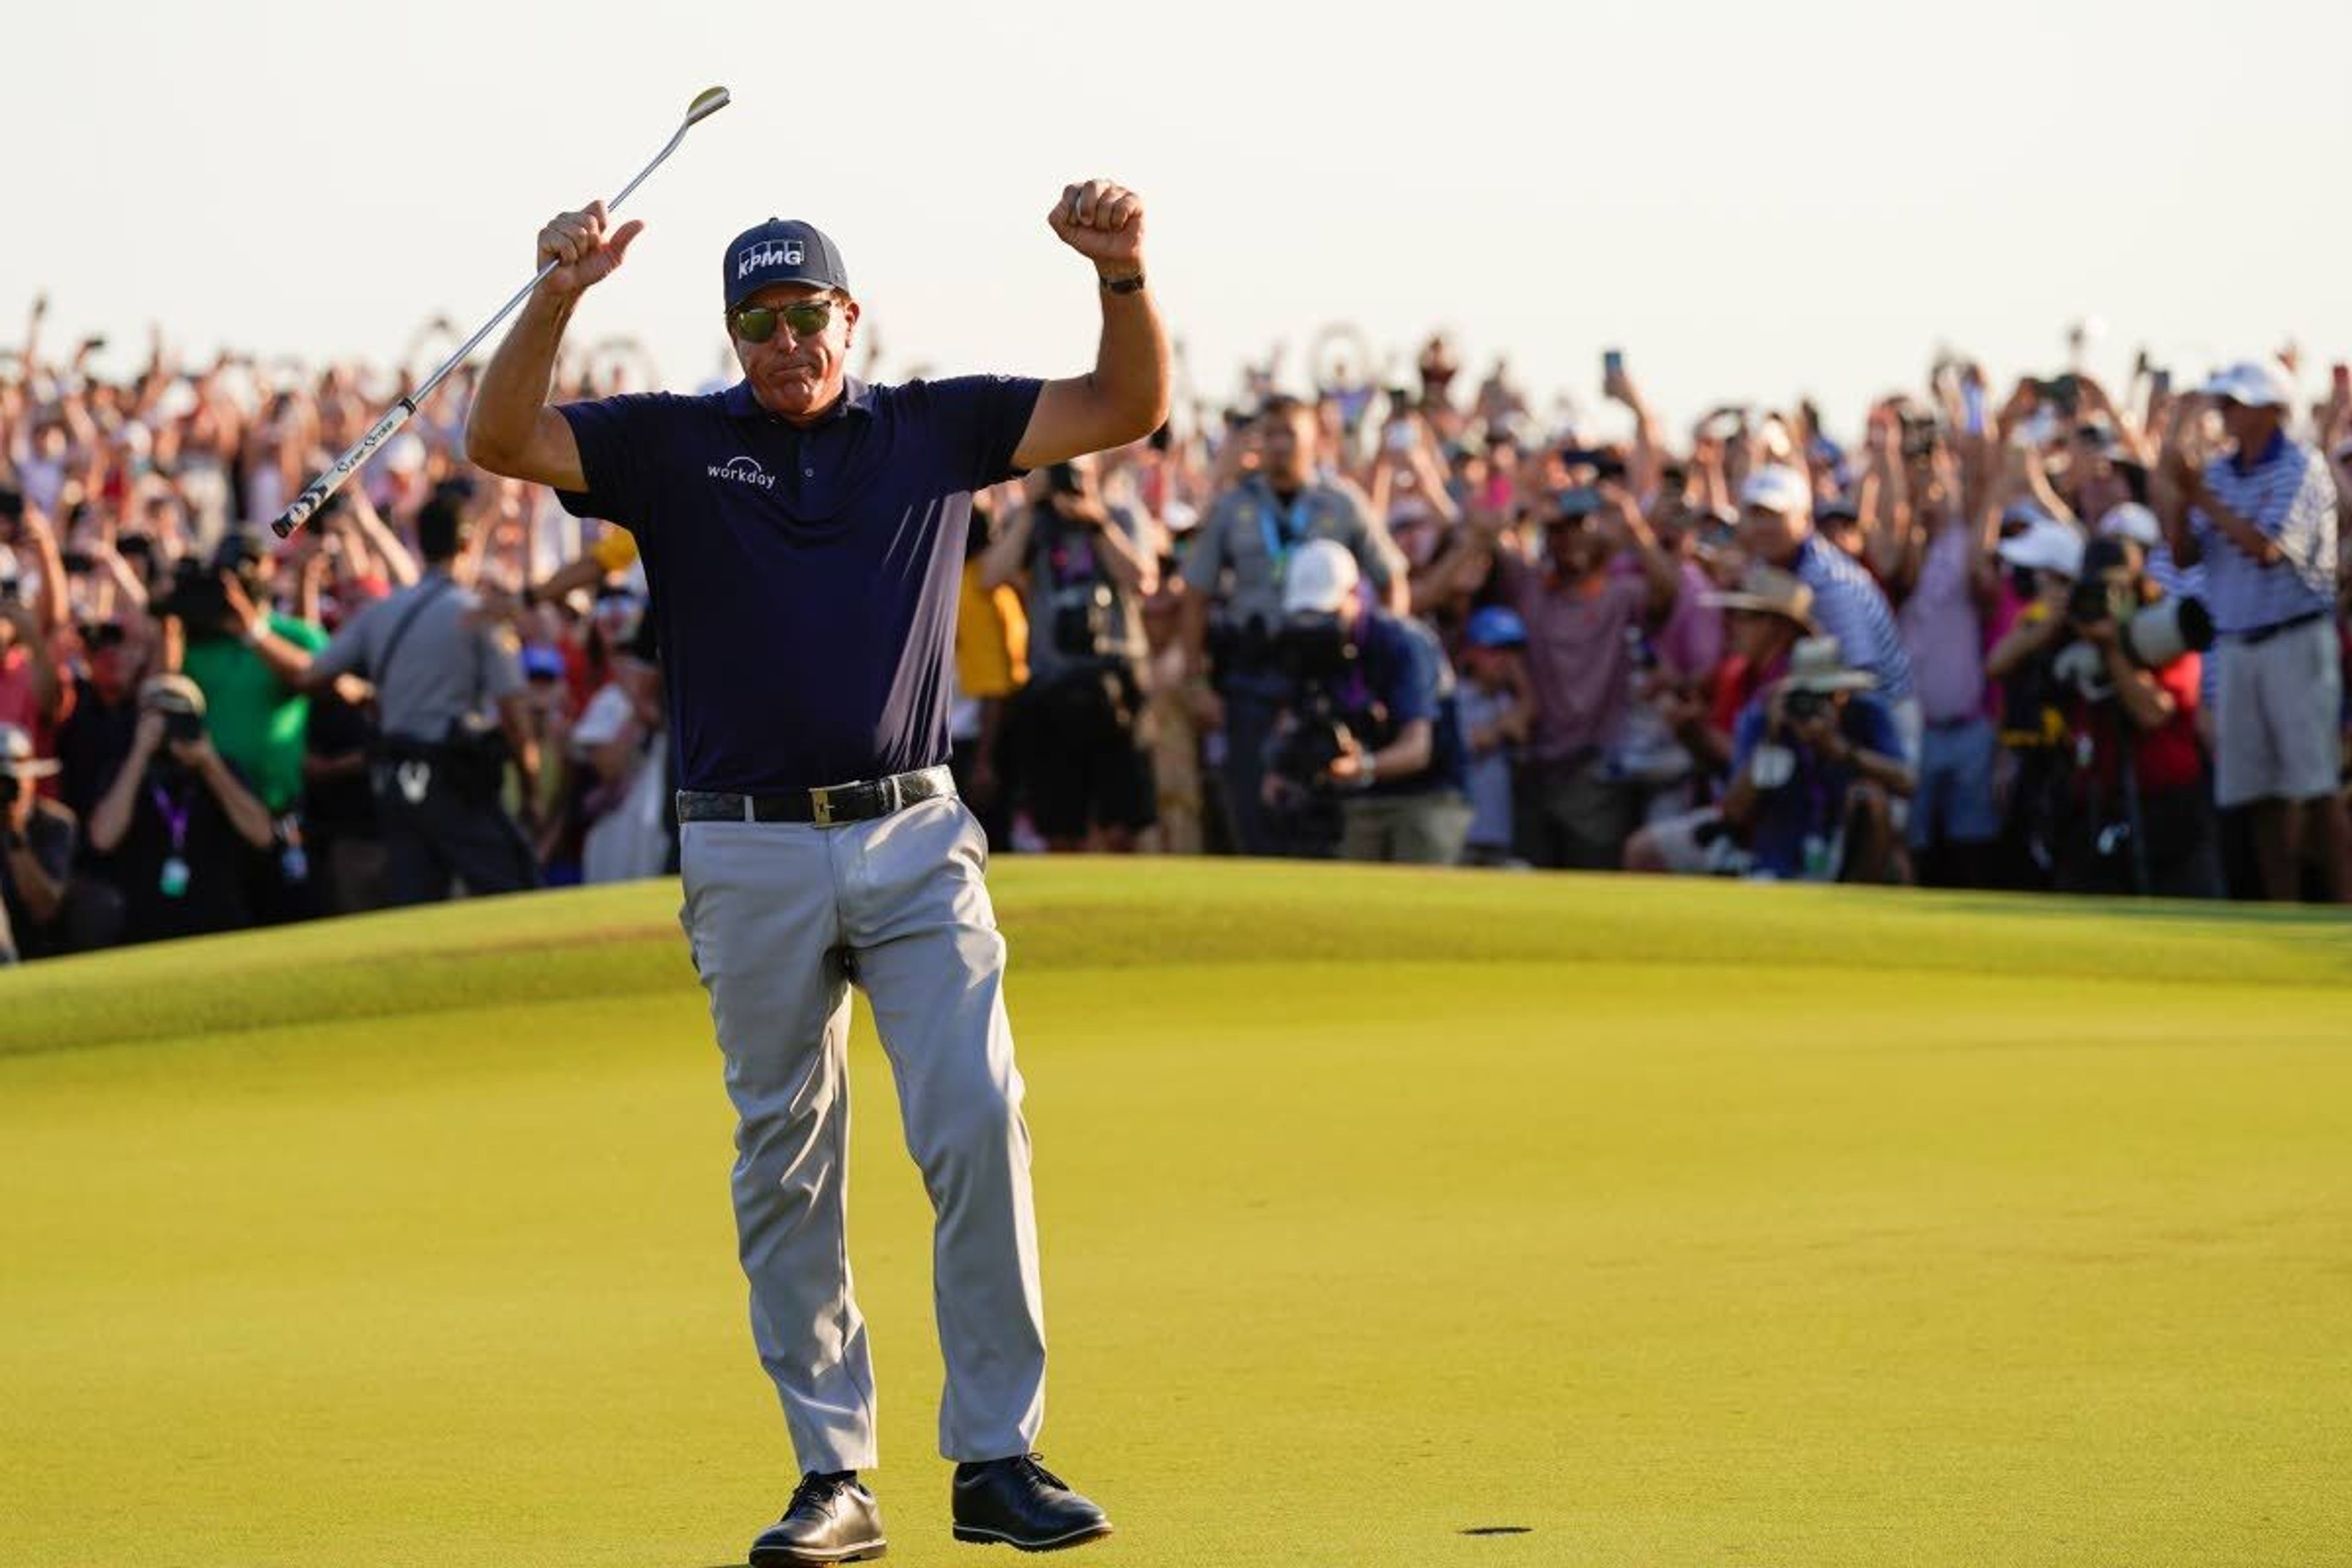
{"type": "Point", "coordinates": [1125, 397]}
{"type": "Point", "coordinates": [39, 854]}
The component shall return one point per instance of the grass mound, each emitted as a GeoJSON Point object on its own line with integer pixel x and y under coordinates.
{"type": "Point", "coordinates": [1388, 1219]}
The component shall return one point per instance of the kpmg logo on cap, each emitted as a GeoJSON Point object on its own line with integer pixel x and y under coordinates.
{"type": "Point", "coordinates": [743, 470]}
{"type": "Point", "coordinates": [768, 253]}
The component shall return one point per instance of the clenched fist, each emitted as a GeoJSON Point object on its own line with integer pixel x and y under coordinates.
{"type": "Point", "coordinates": [583, 252]}
{"type": "Point", "coordinates": [1103, 223]}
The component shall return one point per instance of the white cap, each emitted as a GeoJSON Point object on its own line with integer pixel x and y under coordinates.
{"type": "Point", "coordinates": [1318, 579]}
{"type": "Point", "coordinates": [1777, 488]}
{"type": "Point", "coordinates": [2134, 521]}
{"type": "Point", "coordinates": [2046, 546]}
{"type": "Point", "coordinates": [2252, 383]}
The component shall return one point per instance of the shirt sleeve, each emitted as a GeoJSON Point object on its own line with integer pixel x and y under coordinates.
{"type": "Point", "coordinates": [980, 421]}
{"type": "Point", "coordinates": [347, 649]}
{"type": "Point", "coordinates": [502, 664]}
{"type": "Point", "coordinates": [1377, 555]}
{"type": "Point", "coordinates": [616, 437]}
{"type": "Point", "coordinates": [1412, 694]}
{"type": "Point", "coordinates": [301, 633]}
{"type": "Point", "coordinates": [1205, 562]}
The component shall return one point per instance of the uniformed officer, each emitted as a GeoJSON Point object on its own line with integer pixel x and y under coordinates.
{"type": "Point", "coordinates": [804, 537]}
{"type": "Point", "coordinates": [451, 711]}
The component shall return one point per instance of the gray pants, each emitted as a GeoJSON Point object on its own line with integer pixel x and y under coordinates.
{"type": "Point", "coordinates": [782, 919]}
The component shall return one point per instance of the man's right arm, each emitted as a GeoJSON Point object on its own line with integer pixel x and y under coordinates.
{"type": "Point", "coordinates": [511, 429]}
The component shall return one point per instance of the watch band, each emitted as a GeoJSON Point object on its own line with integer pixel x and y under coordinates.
{"type": "Point", "coordinates": [1123, 285]}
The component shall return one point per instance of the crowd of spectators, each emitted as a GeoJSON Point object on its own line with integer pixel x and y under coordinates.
{"type": "Point", "coordinates": [2032, 634]}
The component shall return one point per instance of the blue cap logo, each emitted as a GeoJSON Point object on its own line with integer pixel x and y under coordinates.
{"type": "Point", "coordinates": [768, 253]}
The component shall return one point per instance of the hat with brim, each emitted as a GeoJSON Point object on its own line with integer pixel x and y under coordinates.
{"type": "Point", "coordinates": [1777, 488]}
{"type": "Point", "coordinates": [781, 250]}
{"type": "Point", "coordinates": [17, 755]}
{"type": "Point", "coordinates": [1817, 664]}
{"type": "Point", "coordinates": [1768, 591]}
{"type": "Point", "coordinates": [2134, 521]}
{"type": "Point", "coordinates": [2045, 546]}
{"type": "Point", "coordinates": [1318, 578]}
{"type": "Point", "coordinates": [172, 694]}
{"type": "Point", "coordinates": [2250, 384]}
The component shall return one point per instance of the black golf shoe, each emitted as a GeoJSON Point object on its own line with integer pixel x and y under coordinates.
{"type": "Point", "coordinates": [831, 1519]}
{"type": "Point", "coordinates": [1019, 1502]}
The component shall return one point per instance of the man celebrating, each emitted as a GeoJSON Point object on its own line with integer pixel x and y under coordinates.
{"type": "Point", "coordinates": [803, 536]}
{"type": "Point", "coordinates": [2261, 519]}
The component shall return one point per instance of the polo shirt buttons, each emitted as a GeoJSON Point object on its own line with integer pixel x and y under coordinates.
{"type": "Point", "coordinates": [808, 473]}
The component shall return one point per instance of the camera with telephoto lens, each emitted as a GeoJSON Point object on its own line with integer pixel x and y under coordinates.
{"type": "Point", "coordinates": [1804, 707]}
{"type": "Point", "coordinates": [1316, 659]}
{"type": "Point", "coordinates": [1085, 618]}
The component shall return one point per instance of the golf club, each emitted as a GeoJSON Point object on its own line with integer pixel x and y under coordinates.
{"type": "Point", "coordinates": [708, 102]}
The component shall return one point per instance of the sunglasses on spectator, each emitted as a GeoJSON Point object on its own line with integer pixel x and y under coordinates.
{"type": "Point", "coordinates": [802, 318]}
{"type": "Point", "coordinates": [105, 634]}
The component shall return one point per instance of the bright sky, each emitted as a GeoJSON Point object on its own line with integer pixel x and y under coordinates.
{"type": "Point", "coordinates": [1752, 200]}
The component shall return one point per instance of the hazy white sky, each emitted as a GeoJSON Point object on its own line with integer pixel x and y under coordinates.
{"type": "Point", "coordinates": [1751, 200]}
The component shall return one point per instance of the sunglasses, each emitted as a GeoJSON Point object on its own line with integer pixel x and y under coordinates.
{"type": "Point", "coordinates": [802, 318]}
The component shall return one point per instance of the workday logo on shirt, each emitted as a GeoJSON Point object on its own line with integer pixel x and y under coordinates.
{"type": "Point", "coordinates": [743, 470]}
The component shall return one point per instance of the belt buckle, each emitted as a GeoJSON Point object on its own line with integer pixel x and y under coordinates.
{"type": "Point", "coordinates": [821, 804]}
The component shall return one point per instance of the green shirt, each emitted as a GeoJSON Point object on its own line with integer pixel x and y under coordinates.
{"type": "Point", "coordinates": [258, 721]}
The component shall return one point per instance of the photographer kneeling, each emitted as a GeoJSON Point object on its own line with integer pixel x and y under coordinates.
{"type": "Point", "coordinates": [1368, 722]}
{"type": "Point", "coordinates": [2135, 817]}
{"type": "Point", "coordinates": [1080, 757]}
{"type": "Point", "coordinates": [1816, 763]}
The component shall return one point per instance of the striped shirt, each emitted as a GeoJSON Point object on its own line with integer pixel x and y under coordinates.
{"type": "Point", "coordinates": [1849, 607]}
{"type": "Point", "coordinates": [2288, 494]}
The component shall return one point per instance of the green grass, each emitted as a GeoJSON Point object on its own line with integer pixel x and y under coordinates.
{"type": "Point", "coordinates": [1669, 1222]}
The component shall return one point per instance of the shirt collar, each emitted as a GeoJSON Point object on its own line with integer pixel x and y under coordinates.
{"type": "Point", "coordinates": [2271, 449]}
{"type": "Point", "coordinates": [856, 396]}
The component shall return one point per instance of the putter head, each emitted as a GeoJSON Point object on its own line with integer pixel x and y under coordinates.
{"type": "Point", "coordinates": [706, 102]}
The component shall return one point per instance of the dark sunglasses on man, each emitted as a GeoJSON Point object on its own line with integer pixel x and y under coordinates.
{"type": "Point", "coordinates": [801, 318]}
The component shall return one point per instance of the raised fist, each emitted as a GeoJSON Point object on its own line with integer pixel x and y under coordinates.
{"type": "Point", "coordinates": [1103, 223]}
{"type": "Point", "coordinates": [584, 254]}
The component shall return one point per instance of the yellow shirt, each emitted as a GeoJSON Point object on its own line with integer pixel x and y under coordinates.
{"type": "Point", "coordinates": [614, 551]}
{"type": "Point", "coordinates": [992, 638]}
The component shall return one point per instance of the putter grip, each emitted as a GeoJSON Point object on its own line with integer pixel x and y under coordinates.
{"type": "Point", "coordinates": [315, 496]}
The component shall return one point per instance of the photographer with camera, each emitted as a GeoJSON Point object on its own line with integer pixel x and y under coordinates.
{"type": "Point", "coordinates": [173, 829]}
{"type": "Point", "coordinates": [1817, 763]}
{"type": "Point", "coordinates": [1234, 578]}
{"type": "Point", "coordinates": [1368, 722]}
{"type": "Point", "coordinates": [2136, 818]}
{"type": "Point", "coordinates": [36, 851]}
{"type": "Point", "coordinates": [251, 662]}
{"type": "Point", "coordinates": [1085, 568]}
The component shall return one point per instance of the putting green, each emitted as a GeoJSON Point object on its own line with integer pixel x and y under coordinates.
{"type": "Point", "coordinates": [1655, 1223]}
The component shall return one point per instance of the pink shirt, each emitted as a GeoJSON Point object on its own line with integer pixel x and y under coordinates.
{"type": "Point", "coordinates": [1944, 633]}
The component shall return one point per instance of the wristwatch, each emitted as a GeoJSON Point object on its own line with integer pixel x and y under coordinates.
{"type": "Point", "coordinates": [1123, 285]}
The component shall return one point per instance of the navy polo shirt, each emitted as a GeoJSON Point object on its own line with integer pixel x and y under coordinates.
{"type": "Point", "coordinates": [804, 583]}
{"type": "Point", "coordinates": [1400, 667]}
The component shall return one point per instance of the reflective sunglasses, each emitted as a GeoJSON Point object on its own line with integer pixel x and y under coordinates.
{"type": "Point", "coordinates": [802, 318]}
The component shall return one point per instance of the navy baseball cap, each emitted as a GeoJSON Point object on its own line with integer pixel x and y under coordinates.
{"type": "Point", "coordinates": [781, 250]}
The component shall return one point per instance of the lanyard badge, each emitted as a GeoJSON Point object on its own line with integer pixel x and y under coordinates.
{"type": "Point", "coordinates": [1282, 537]}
